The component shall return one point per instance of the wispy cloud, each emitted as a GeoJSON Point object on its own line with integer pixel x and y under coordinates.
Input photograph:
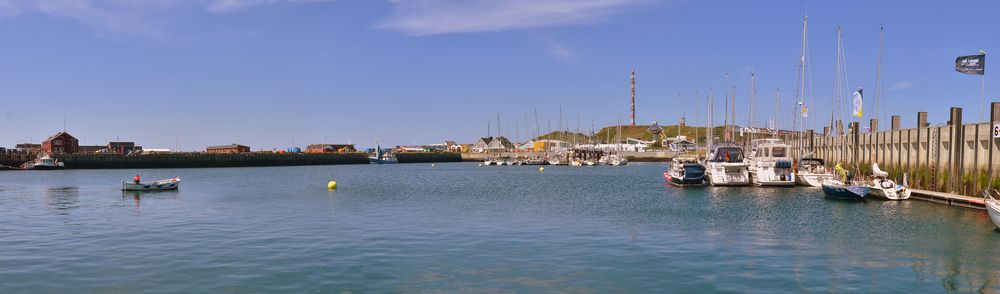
{"type": "Point", "coordinates": [118, 19]}
{"type": "Point", "coordinates": [433, 17]}
{"type": "Point", "coordinates": [900, 86]}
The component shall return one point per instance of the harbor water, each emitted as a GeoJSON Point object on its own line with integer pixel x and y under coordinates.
{"type": "Point", "coordinates": [461, 228]}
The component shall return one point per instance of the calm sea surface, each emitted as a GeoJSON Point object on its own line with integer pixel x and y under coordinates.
{"type": "Point", "coordinates": [462, 228]}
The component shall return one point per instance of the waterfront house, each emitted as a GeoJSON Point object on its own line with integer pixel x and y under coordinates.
{"type": "Point", "coordinates": [500, 144]}
{"type": "Point", "coordinates": [61, 142]}
{"type": "Point", "coordinates": [491, 144]}
{"type": "Point", "coordinates": [330, 148]}
{"type": "Point", "coordinates": [452, 146]}
{"type": "Point", "coordinates": [481, 145]}
{"type": "Point", "coordinates": [228, 149]}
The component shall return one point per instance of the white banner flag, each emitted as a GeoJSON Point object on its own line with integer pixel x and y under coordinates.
{"type": "Point", "coordinates": [858, 102]}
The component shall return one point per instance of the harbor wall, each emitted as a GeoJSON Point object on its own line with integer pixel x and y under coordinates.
{"type": "Point", "coordinates": [421, 157]}
{"type": "Point", "coordinates": [196, 160]}
{"type": "Point", "coordinates": [953, 157]}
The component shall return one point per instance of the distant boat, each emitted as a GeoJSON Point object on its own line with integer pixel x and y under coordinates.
{"type": "Point", "coordinates": [45, 163]}
{"type": "Point", "coordinates": [886, 188]}
{"type": "Point", "coordinates": [161, 185]}
{"type": "Point", "coordinates": [613, 159]}
{"type": "Point", "coordinates": [685, 171]}
{"type": "Point", "coordinates": [379, 157]}
{"type": "Point", "coordinates": [992, 205]}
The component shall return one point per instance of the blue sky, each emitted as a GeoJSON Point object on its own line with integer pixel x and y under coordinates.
{"type": "Point", "coordinates": [272, 73]}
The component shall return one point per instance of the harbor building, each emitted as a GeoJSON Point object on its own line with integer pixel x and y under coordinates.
{"type": "Point", "coordinates": [60, 143]}
{"type": "Point", "coordinates": [228, 149]}
{"type": "Point", "coordinates": [28, 148]}
{"type": "Point", "coordinates": [491, 144]}
{"type": "Point", "coordinates": [330, 148]}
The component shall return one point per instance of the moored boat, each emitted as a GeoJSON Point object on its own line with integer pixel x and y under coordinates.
{"type": "Point", "coordinates": [725, 166]}
{"type": "Point", "coordinates": [161, 185]}
{"type": "Point", "coordinates": [685, 171]}
{"type": "Point", "coordinates": [771, 165]}
{"type": "Point", "coordinates": [812, 172]}
{"type": "Point", "coordinates": [838, 190]}
{"type": "Point", "coordinates": [883, 187]}
{"type": "Point", "coordinates": [992, 205]}
{"type": "Point", "coordinates": [44, 162]}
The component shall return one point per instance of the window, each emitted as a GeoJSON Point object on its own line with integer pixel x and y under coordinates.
{"type": "Point", "coordinates": [779, 152]}
{"type": "Point", "coordinates": [56, 142]}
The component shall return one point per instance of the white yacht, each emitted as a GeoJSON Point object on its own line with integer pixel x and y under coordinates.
{"type": "Point", "coordinates": [45, 162]}
{"type": "Point", "coordinates": [725, 166]}
{"type": "Point", "coordinates": [771, 165]}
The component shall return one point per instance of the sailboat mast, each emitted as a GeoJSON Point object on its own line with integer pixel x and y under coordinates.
{"type": "Point", "coordinates": [725, 113]}
{"type": "Point", "coordinates": [777, 110]}
{"type": "Point", "coordinates": [878, 72]}
{"type": "Point", "coordinates": [709, 133]}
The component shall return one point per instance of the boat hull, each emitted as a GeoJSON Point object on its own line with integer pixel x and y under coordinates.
{"type": "Point", "coordinates": [843, 192]}
{"type": "Point", "coordinates": [887, 189]}
{"type": "Point", "coordinates": [165, 185]}
{"type": "Point", "coordinates": [772, 180]}
{"type": "Point", "coordinates": [993, 208]}
{"type": "Point", "coordinates": [47, 167]}
{"type": "Point", "coordinates": [684, 181]}
{"type": "Point", "coordinates": [812, 180]}
{"type": "Point", "coordinates": [382, 161]}
{"type": "Point", "coordinates": [728, 176]}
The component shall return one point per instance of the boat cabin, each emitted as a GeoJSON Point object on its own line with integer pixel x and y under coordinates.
{"type": "Point", "coordinates": [731, 154]}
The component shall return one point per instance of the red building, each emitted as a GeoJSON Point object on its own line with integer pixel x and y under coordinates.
{"type": "Point", "coordinates": [61, 142]}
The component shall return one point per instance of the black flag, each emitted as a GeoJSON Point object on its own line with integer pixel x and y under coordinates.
{"type": "Point", "coordinates": [971, 64]}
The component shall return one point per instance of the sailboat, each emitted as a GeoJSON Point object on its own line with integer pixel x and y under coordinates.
{"type": "Point", "coordinates": [809, 171]}
{"type": "Point", "coordinates": [848, 188]}
{"type": "Point", "coordinates": [883, 187]}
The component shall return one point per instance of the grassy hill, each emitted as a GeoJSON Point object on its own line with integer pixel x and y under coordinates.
{"type": "Point", "coordinates": [638, 132]}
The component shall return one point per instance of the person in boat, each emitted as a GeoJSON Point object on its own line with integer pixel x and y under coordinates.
{"type": "Point", "coordinates": [137, 179]}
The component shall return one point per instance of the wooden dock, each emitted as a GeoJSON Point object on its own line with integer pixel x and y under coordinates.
{"type": "Point", "coordinates": [949, 199]}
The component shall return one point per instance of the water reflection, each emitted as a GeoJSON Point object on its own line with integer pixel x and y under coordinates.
{"type": "Point", "coordinates": [135, 197]}
{"type": "Point", "coordinates": [63, 199]}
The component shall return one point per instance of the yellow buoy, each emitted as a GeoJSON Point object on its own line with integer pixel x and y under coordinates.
{"type": "Point", "coordinates": [541, 169]}
{"type": "Point", "coordinates": [331, 185]}
{"type": "Point", "coordinates": [433, 165]}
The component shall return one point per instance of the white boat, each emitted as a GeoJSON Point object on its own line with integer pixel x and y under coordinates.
{"type": "Point", "coordinates": [992, 205]}
{"type": "Point", "coordinates": [45, 162]}
{"type": "Point", "coordinates": [161, 185]}
{"type": "Point", "coordinates": [812, 172]}
{"type": "Point", "coordinates": [771, 165]}
{"type": "Point", "coordinates": [685, 171]}
{"type": "Point", "coordinates": [379, 157]}
{"type": "Point", "coordinates": [489, 161]}
{"type": "Point", "coordinates": [576, 162]}
{"type": "Point", "coordinates": [883, 187]}
{"type": "Point", "coordinates": [725, 166]}
{"type": "Point", "coordinates": [614, 159]}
